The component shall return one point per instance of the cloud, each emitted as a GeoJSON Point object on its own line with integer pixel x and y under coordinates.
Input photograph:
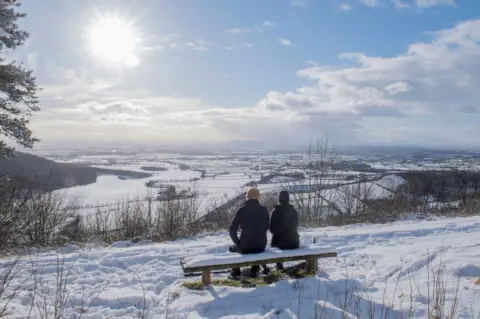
{"type": "Point", "coordinates": [433, 3]}
{"type": "Point", "coordinates": [119, 112]}
{"type": "Point", "coordinates": [371, 3]}
{"type": "Point", "coordinates": [174, 41]}
{"type": "Point", "coordinates": [345, 7]}
{"type": "Point", "coordinates": [261, 27]}
{"type": "Point", "coordinates": [374, 99]}
{"type": "Point", "coordinates": [247, 45]}
{"type": "Point", "coordinates": [429, 78]}
{"type": "Point", "coordinates": [397, 87]}
{"type": "Point", "coordinates": [199, 45]}
{"type": "Point", "coordinates": [285, 42]}
{"type": "Point", "coordinates": [300, 3]}
{"type": "Point", "coordinates": [143, 109]}
{"type": "Point", "coordinates": [268, 24]}
{"type": "Point", "coordinates": [408, 4]}
{"type": "Point", "coordinates": [115, 112]}
{"type": "Point", "coordinates": [239, 30]}
{"type": "Point", "coordinates": [71, 85]}
{"type": "Point", "coordinates": [155, 42]}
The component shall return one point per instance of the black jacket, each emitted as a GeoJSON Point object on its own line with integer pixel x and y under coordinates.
{"type": "Point", "coordinates": [253, 220]}
{"type": "Point", "coordinates": [283, 226]}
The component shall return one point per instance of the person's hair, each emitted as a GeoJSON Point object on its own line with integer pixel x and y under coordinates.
{"type": "Point", "coordinates": [253, 193]}
{"type": "Point", "coordinates": [284, 197]}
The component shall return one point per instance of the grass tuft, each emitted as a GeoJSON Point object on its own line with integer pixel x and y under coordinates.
{"type": "Point", "coordinates": [198, 285]}
{"type": "Point", "coordinates": [272, 277]}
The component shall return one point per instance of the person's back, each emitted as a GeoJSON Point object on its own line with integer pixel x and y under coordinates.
{"type": "Point", "coordinates": [253, 220]}
{"type": "Point", "coordinates": [284, 224]}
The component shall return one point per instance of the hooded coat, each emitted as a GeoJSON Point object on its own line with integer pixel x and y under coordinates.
{"type": "Point", "coordinates": [253, 220]}
{"type": "Point", "coordinates": [284, 224]}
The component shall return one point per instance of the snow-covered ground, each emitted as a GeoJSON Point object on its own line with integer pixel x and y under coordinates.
{"type": "Point", "coordinates": [379, 265]}
{"type": "Point", "coordinates": [110, 190]}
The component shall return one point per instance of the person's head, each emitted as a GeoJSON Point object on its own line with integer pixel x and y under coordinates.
{"type": "Point", "coordinates": [284, 197]}
{"type": "Point", "coordinates": [253, 193]}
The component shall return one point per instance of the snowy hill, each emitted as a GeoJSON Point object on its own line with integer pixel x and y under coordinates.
{"type": "Point", "coordinates": [378, 267]}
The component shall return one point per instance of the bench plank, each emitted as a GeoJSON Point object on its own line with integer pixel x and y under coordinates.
{"type": "Point", "coordinates": [270, 256]}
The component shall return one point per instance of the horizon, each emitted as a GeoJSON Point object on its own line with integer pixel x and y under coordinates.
{"type": "Point", "coordinates": [248, 74]}
{"type": "Point", "coordinates": [153, 147]}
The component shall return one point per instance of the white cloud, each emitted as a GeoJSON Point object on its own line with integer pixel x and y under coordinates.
{"type": "Point", "coordinates": [174, 41]}
{"type": "Point", "coordinates": [239, 30]}
{"type": "Point", "coordinates": [116, 112]}
{"type": "Point", "coordinates": [248, 45]}
{"type": "Point", "coordinates": [156, 42]}
{"type": "Point", "coordinates": [408, 4]}
{"type": "Point", "coordinates": [430, 79]}
{"type": "Point", "coordinates": [371, 3]}
{"type": "Point", "coordinates": [199, 45]}
{"type": "Point", "coordinates": [285, 42]}
{"type": "Point", "coordinates": [400, 4]}
{"type": "Point", "coordinates": [345, 7]}
{"type": "Point", "coordinates": [300, 3]}
{"type": "Point", "coordinates": [261, 27]}
{"type": "Point", "coordinates": [142, 109]}
{"type": "Point", "coordinates": [433, 3]}
{"type": "Point", "coordinates": [72, 86]}
{"type": "Point", "coordinates": [268, 23]}
{"type": "Point", "coordinates": [397, 87]}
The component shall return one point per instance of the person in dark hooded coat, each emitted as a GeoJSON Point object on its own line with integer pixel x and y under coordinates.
{"type": "Point", "coordinates": [284, 225]}
{"type": "Point", "coordinates": [253, 220]}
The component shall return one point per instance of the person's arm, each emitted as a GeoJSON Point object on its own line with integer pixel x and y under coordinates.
{"type": "Point", "coordinates": [273, 221]}
{"type": "Point", "coordinates": [234, 227]}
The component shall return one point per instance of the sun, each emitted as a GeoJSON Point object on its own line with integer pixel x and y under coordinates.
{"type": "Point", "coordinates": [113, 40]}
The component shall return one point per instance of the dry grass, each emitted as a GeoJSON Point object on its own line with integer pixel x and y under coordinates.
{"type": "Point", "coordinates": [272, 277]}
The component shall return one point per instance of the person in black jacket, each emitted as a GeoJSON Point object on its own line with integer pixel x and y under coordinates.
{"type": "Point", "coordinates": [284, 225]}
{"type": "Point", "coordinates": [253, 220]}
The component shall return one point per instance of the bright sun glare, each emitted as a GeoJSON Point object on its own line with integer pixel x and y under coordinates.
{"type": "Point", "coordinates": [113, 40]}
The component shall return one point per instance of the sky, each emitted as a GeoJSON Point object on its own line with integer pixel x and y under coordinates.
{"type": "Point", "coordinates": [272, 73]}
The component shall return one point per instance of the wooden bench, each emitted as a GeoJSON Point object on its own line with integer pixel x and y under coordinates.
{"type": "Point", "coordinates": [208, 262]}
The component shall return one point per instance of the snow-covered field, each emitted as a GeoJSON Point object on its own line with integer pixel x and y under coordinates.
{"type": "Point", "coordinates": [215, 178]}
{"type": "Point", "coordinates": [379, 266]}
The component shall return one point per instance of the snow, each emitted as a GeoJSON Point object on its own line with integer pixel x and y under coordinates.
{"type": "Point", "coordinates": [280, 179]}
{"type": "Point", "coordinates": [391, 182]}
{"type": "Point", "coordinates": [108, 189]}
{"type": "Point", "coordinates": [378, 266]}
{"type": "Point", "coordinates": [228, 258]}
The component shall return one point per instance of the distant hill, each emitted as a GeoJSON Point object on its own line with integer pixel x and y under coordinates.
{"type": "Point", "coordinates": [33, 170]}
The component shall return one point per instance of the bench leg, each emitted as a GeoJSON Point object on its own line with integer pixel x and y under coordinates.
{"type": "Point", "coordinates": [206, 277]}
{"type": "Point", "coordinates": [312, 265]}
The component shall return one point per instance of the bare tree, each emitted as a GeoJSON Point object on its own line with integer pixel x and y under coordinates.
{"type": "Point", "coordinates": [353, 198]}
{"type": "Point", "coordinates": [313, 196]}
{"type": "Point", "coordinates": [30, 215]}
